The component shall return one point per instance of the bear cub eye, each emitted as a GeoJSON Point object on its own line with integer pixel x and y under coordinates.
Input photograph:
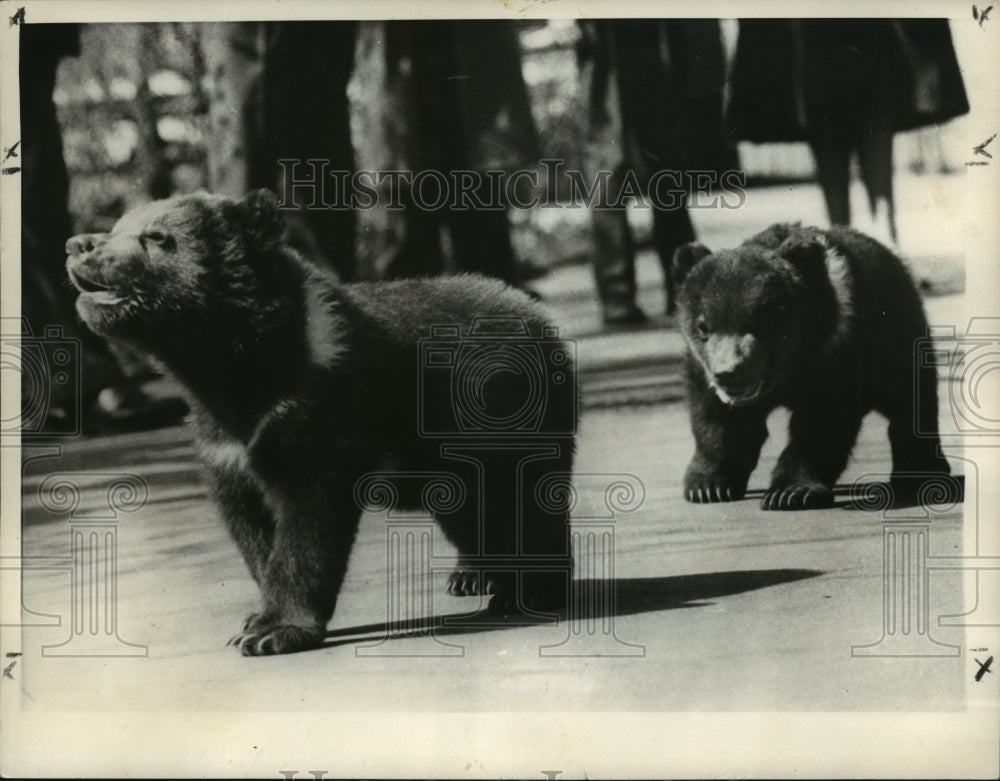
{"type": "Point", "coordinates": [702, 328]}
{"type": "Point", "coordinates": [157, 237]}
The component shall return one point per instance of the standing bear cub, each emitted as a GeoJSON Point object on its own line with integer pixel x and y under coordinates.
{"type": "Point", "coordinates": [825, 323]}
{"type": "Point", "coordinates": [301, 388]}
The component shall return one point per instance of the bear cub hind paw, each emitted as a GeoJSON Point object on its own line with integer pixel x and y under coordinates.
{"type": "Point", "coordinates": [935, 486]}
{"type": "Point", "coordinates": [541, 593]}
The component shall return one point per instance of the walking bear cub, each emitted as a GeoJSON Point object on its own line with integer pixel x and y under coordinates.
{"type": "Point", "coordinates": [825, 323]}
{"type": "Point", "coordinates": [301, 386]}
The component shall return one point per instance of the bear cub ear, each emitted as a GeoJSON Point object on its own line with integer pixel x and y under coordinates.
{"type": "Point", "coordinates": [264, 221]}
{"type": "Point", "coordinates": [685, 258]}
{"type": "Point", "coordinates": [807, 255]}
{"type": "Point", "coordinates": [805, 252]}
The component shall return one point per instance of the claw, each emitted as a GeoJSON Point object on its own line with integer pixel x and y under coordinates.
{"type": "Point", "coordinates": [249, 621]}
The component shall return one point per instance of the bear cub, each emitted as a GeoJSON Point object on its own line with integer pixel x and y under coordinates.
{"type": "Point", "coordinates": [301, 388]}
{"type": "Point", "coordinates": [824, 322]}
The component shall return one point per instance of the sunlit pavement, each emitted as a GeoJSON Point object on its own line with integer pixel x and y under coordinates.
{"type": "Point", "coordinates": [717, 607]}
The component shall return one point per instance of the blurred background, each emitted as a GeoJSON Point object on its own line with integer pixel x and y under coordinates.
{"type": "Point", "coordinates": [134, 104]}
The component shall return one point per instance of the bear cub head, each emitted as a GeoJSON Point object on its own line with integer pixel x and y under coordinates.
{"type": "Point", "coordinates": [749, 315]}
{"type": "Point", "coordinates": [176, 263]}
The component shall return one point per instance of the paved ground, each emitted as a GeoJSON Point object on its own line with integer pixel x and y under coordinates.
{"type": "Point", "coordinates": [717, 608]}
{"type": "Point", "coordinates": [734, 608]}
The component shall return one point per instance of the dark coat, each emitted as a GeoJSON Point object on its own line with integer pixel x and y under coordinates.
{"type": "Point", "coordinates": [457, 96]}
{"type": "Point", "coordinates": [669, 76]}
{"type": "Point", "coordinates": [791, 76]}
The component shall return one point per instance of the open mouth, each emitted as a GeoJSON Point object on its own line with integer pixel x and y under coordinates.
{"type": "Point", "coordinates": [742, 395]}
{"type": "Point", "coordinates": [96, 291]}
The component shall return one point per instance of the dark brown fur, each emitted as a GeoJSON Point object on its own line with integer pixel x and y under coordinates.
{"type": "Point", "coordinates": [825, 323]}
{"type": "Point", "coordinates": [301, 386]}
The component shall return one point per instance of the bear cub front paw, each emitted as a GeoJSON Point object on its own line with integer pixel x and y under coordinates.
{"type": "Point", "coordinates": [800, 496]}
{"type": "Point", "coordinates": [703, 486]}
{"type": "Point", "coordinates": [263, 637]}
